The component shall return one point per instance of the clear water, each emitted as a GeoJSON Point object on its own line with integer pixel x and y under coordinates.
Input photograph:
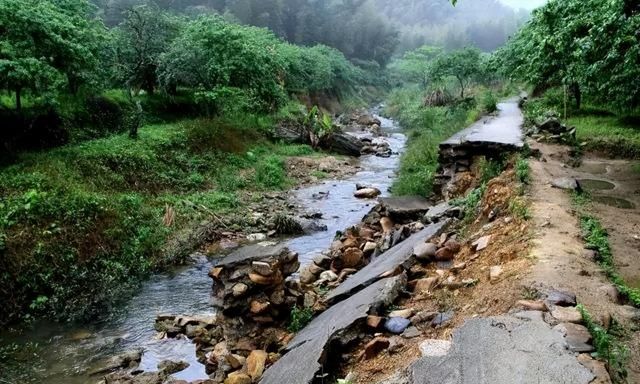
{"type": "Point", "coordinates": [66, 353]}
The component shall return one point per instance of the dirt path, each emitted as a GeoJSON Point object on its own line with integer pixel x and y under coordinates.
{"type": "Point", "coordinates": [561, 260]}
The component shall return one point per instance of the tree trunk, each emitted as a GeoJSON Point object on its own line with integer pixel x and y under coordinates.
{"type": "Point", "coordinates": [461, 88]}
{"type": "Point", "coordinates": [577, 93]}
{"type": "Point", "coordinates": [18, 99]}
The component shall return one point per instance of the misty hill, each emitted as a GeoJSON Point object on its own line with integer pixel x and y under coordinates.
{"type": "Point", "coordinates": [484, 23]}
{"type": "Point", "coordinates": [367, 30]}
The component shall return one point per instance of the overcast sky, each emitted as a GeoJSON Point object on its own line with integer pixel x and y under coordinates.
{"type": "Point", "coordinates": [527, 4]}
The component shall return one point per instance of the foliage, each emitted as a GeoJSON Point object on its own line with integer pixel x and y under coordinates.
{"type": "Point", "coordinates": [426, 128]}
{"type": "Point", "coordinates": [588, 46]}
{"type": "Point", "coordinates": [471, 201]}
{"type": "Point", "coordinates": [300, 317]}
{"type": "Point", "coordinates": [81, 225]}
{"type": "Point", "coordinates": [523, 172]}
{"type": "Point", "coordinates": [48, 45]}
{"type": "Point", "coordinates": [142, 37]}
{"type": "Point", "coordinates": [464, 65]}
{"type": "Point", "coordinates": [520, 208]}
{"type": "Point", "coordinates": [490, 168]}
{"type": "Point", "coordinates": [608, 347]}
{"type": "Point", "coordinates": [416, 66]}
{"type": "Point", "coordinates": [488, 102]}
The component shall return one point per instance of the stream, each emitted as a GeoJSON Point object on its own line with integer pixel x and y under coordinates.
{"type": "Point", "coordinates": [66, 354]}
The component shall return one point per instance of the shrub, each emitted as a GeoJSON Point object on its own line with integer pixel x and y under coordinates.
{"type": "Point", "coordinates": [300, 317]}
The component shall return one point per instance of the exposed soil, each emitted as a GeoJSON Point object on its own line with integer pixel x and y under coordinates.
{"type": "Point", "coordinates": [558, 248]}
{"type": "Point", "coordinates": [508, 248]}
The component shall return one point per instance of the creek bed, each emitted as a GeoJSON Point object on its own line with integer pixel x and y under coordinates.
{"type": "Point", "coordinates": [65, 354]}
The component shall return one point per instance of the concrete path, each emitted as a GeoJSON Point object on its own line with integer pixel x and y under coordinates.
{"type": "Point", "coordinates": [504, 129]}
{"type": "Point", "coordinates": [513, 349]}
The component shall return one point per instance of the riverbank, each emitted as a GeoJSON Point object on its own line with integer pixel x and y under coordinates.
{"type": "Point", "coordinates": [320, 184]}
{"type": "Point", "coordinates": [112, 211]}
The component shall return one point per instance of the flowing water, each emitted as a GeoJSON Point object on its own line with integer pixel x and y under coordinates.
{"type": "Point", "coordinates": [65, 354]}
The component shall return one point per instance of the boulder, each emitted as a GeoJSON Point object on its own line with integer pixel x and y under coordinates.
{"type": "Point", "coordinates": [237, 378]}
{"type": "Point", "coordinates": [170, 367]}
{"type": "Point", "coordinates": [495, 272]}
{"type": "Point", "coordinates": [567, 183]}
{"type": "Point", "coordinates": [352, 257]}
{"type": "Point", "coordinates": [567, 315]}
{"type": "Point", "coordinates": [425, 251]}
{"type": "Point", "coordinates": [397, 325]}
{"type": "Point", "coordinates": [255, 364]}
{"type": "Point", "coordinates": [434, 347]}
{"type": "Point", "coordinates": [481, 243]}
{"type": "Point", "coordinates": [367, 193]}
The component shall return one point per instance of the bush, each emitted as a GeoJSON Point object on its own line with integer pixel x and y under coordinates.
{"type": "Point", "coordinates": [488, 102]}
{"type": "Point", "coordinates": [270, 173]}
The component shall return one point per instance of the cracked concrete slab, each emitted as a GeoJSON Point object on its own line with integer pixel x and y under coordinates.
{"type": "Point", "coordinates": [307, 350]}
{"type": "Point", "coordinates": [500, 350]}
{"type": "Point", "coordinates": [387, 261]}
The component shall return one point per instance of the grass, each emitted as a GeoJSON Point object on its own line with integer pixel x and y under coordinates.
{"type": "Point", "coordinates": [599, 128]}
{"type": "Point", "coordinates": [608, 347]}
{"type": "Point", "coordinates": [613, 135]}
{"type": "Point", "coordinates": [523, 172]}
{"type": "Point", "coordinates": [426, 128]}
{"type": "Point", "coordinates": [81, 225]}
{"type": "Point", "coordinates": [597, 238]}
{"type": "Point", "coordinates": [300, 317]}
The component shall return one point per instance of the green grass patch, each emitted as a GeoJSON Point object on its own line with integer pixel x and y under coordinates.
{"type": "Point", "coordinates": [597, 238]}
{"type": "Point", "coordinates": [616, 136]}
{"type": "Point", "coordinates": [523, 172]}
{"type": "Point", "coordinates": [299, 318]}
{"type": "Point", "coordinates": [608, 347]}
{"type": "Point", "coordinates": [426, 128]}
{"type": "Point", "coordinates": [82, 225]}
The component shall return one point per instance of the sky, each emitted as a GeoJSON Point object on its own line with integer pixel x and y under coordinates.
{"type": "Point", "coordinates": [526, 4]}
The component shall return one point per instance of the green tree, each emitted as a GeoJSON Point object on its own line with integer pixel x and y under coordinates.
{"type": "Point", "coordinates": [211, 53]}
{"type": "Point", "coordinates": [588, 46]}
{"type": "Point", "coordinates": [141, 39]}
{"type": "Point", "coordinates": [464, 65]}
{"type": "Point", "coordinates": [47, 45]}
{"type": "Point", "coordinates": [416, 66]}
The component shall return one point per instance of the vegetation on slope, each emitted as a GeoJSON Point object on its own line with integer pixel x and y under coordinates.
{"type": "Point", "coordinates": [96, 212]}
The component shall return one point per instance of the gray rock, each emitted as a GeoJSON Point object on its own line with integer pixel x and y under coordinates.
{"type": "Point", "coordinates": [561, 298]}
{"type": "Point", "coordinates": [411, 333]}
{"type": "Point", "coordinates": [567, 183]}
{"type": "Point", "coordinates": [434, 347]}
{"type": "Point", "coordinates": [425, 251]}
{"type": "Point", "coordinates": [397, 325]}
{"type": "Point", "coordinates": [577, 336]}
{"type": "Point", "coordinates": [170, 367]}
{"type": "Point", "coordinates": [405, 207]}
{"type": "Point", "coordinates": [442, 318]}
{"type": "Point", "coordinates": [437, 212]}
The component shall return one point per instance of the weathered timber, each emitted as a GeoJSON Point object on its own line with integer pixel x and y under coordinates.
{"type": "Point", "coordinates": [386, 262]}
{"type": "Point", "coordinates": [305, 354]}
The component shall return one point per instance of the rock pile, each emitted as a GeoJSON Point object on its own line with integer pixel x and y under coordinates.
{"type": "Point", "coordinates": [551, 129]}
{"type": "Point", "coordinates": [376, 147]}
{"type": "Point", "coordinates": [355, 248]}
{"type": "Point", "coordinates": [250, 283]}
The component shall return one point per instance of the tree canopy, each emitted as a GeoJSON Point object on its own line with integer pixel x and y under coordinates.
{"type": "Point", "coordinates": [591, 46]}
{"type": "Point", "coordinates": [48, 44]}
